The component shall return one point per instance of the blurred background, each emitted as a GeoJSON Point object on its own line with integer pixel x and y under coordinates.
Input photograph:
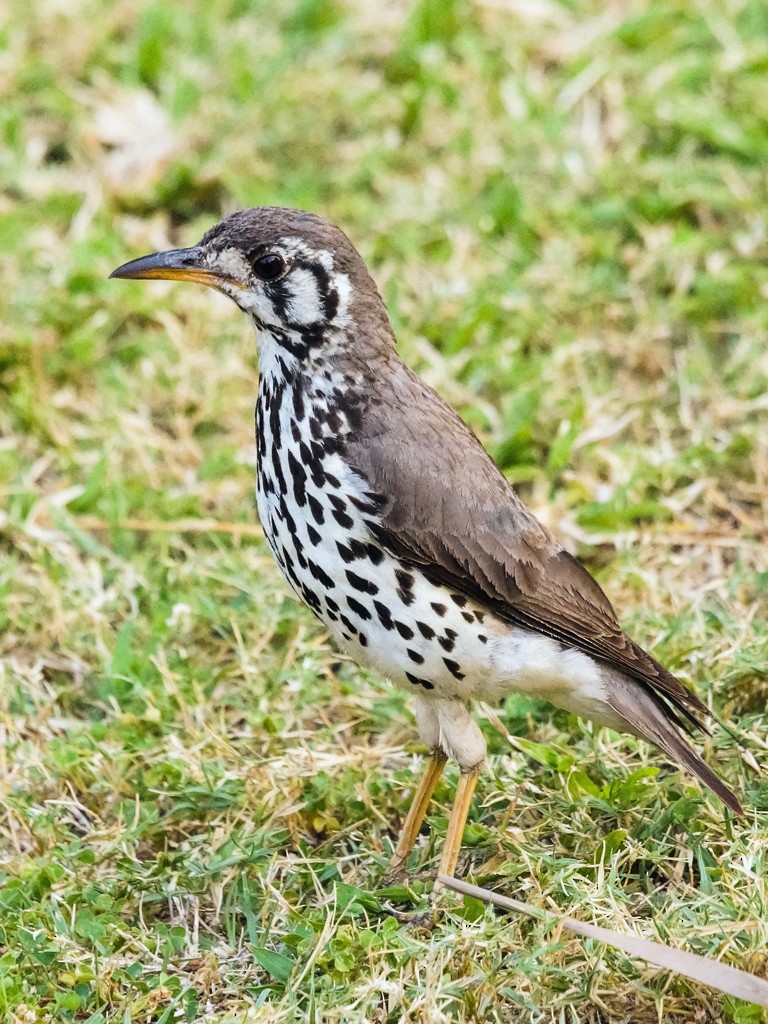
{"type": "Point", "coordinates": [564, 206]}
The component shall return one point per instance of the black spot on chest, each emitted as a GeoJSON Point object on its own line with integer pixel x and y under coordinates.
{"type": "Point", "coordinates": [359, 609]}
{"type": "Point", "coordinates": [321, 575]}
{"type": "Point", "coordinates": [274, 418]}
{"type": "Point", "coordinates": [346, 553]}
{"type": "Point", "coordinates": [311, 598]}
{"type": "Point", "coordinates": [299, 477]}
{"type": "Point", "coordinates": [454, 668]}
{"type": "Point", "coordinates": [332, 445]}
{"type": "Point", "coordinates": [361, 584]}
{"type": "Point", "coordinates": [316, 509]}
{"type": "Point", "coordinates": [419, 682]}
{"type": "Point", "coordinates": [385, 616]}
{"type": "Point", "coordinates": [405, 581]}
{"type": "Point", "coordinates": [290, 570]}
{"type": "Point", "coordinates": [298, 400]}
{"type": "Point", "coordinates": [369, 503]}
{"type": "Point", "coordinates": [259, 417]}
{"type": "Point", "coordinates": [375, 554]}
{"type": "Point", "coordinates": [286, 517]}
{"type": "Point", "coordinates": [355, 549]}
{"type": "Point", "coordinates": [348, 623]}
{"type": "Point", "coordinates": [339, 513]}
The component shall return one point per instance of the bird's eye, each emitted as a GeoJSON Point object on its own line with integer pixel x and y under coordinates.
{"type": "Point", "coordinates": [269, 267]}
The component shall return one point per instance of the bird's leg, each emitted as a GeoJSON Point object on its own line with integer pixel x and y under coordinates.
{"type": "Point", "coordinates": [457, 821]}
{"type": "Point", "coordinates": [452, 846]}
{"type": "Point", "coordinates": [415, 816]}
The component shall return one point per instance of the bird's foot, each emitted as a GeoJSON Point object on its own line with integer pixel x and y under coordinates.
{"type": "Point", "coordinates": [422, 919]}
{"type": "Point", "coordinates": [426, 919]}
{"type": "Point", "coordinates": [395, 874]}
{"type": "Point", "coordinates": [414, 920]}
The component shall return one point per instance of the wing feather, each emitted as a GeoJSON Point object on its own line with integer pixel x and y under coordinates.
{"type": "Point", "coordinates": [448, 510]}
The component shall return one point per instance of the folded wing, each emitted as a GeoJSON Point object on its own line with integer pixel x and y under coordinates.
{"type": "Point", "coordinates": [450, 512]}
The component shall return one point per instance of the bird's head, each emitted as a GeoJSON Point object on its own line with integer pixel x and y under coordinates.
{"type": "Point", "coordinates": [298, 276]}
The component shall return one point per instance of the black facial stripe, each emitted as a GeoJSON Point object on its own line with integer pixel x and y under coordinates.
{"type": "Point", "coordinates": [329, 297]}
{"type": "Point", "coordinates": [274, 417]}
{"type": "Point", "coordinates": [281, 293]}
{"type": "Point", "coordinates": [294, 345]}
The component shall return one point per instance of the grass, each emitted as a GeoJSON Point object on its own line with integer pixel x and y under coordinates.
{"type": "Point", "coordinates": [564, 205]}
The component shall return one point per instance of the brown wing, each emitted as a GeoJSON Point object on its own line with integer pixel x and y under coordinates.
{"type": "Point", "coordinates": [450, 512]}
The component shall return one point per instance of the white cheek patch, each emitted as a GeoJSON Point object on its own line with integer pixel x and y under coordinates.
{"type": "Point", "coordinates": [344, 291]}
{"type": "Point", "coordinates": [303, 306]}
{"type": "Point", "coordinates": [324, 258]}
{"type": "Point", "coordinates": [231, 262]}
{"type": "Point", "coordinates": [303, 302]}
{"type": "Point", "coordinates": [259, 306]}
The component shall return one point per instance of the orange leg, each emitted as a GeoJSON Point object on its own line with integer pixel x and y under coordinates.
{"type": "Point", "coordinates": [416, 813]}
{"type": "Point", "coordinates": [458, 819]}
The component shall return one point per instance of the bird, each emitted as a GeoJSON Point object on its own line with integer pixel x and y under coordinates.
{"type": "Point", "coordinates": [388, 518]}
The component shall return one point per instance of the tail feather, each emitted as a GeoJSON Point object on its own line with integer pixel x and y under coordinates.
{"type": "Point", "coordinates": [647, 716]}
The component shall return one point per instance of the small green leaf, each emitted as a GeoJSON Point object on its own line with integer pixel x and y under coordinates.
{"type": "Point", "coordinates": [402, 893]}
{"type": "Point", "coordinates": [349, 896]}
{"type": "Point", "coordinates": [87, 926]}
{"type": "Point", "coordinates": [580, 782]}
{"type": "Point", "coordinates": [275, 964]}
{"type": "Point", "coordinates": [471, 909]}
{"type": "Point", "coordinates": [544, 755]}
{"type": "Point", "coordinates": [610, 844]}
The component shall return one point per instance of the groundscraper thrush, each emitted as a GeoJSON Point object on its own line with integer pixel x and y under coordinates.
{"type": "Point", "coordinates": [390, 521]}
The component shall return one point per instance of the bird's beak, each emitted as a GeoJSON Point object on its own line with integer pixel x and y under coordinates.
{"type": "Point", "coordinates": [176, 265]}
